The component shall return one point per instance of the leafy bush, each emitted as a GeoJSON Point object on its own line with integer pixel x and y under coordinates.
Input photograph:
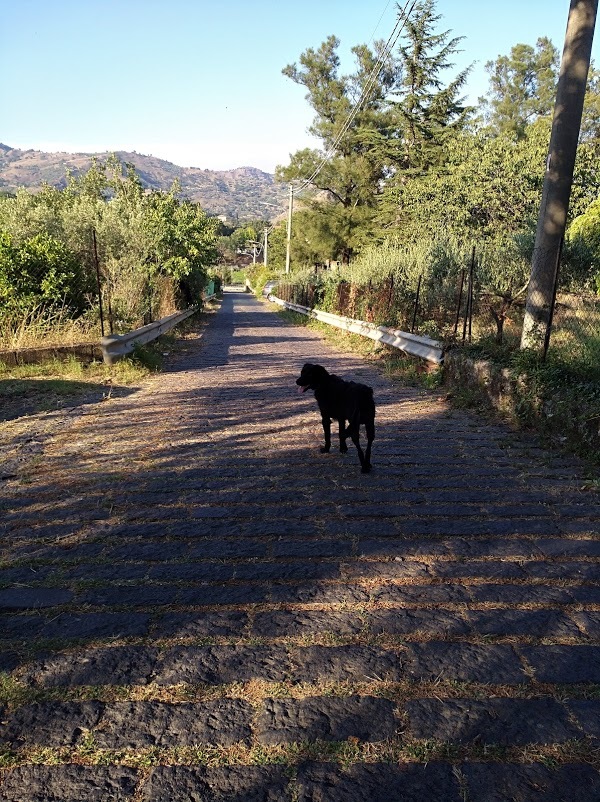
{"type": "Point", "coordinates": [39, 270]}
{"type": "Point", "coordinates": [154, 249]}
{"type": "Point", "coordinates": [258, 275]}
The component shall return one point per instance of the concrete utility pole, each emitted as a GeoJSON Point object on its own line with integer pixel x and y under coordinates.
{"type": "Point", "coordinates": [558, 179]}
{"type": "Point", "coordinates": [289, 229]}
{"type": "Point", "coordinates": [266, 246]}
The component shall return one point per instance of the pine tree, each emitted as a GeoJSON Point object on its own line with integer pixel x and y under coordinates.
{"type": "Point", "coordinates": [522, 87]}
{"type": "Point", "coordinates": [426, 110]}
{"type": "Point", "coordinates": [352, 119]}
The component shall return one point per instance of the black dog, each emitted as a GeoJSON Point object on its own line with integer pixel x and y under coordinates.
{"type": "Point", "coordinates": [343, 401]}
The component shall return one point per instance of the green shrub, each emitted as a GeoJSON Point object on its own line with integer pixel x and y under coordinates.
{"type": "Point", "coordinates": [39, 270]}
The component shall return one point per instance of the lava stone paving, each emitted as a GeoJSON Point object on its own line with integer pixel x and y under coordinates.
{"type": "Point", "coordinates": [196, 604]}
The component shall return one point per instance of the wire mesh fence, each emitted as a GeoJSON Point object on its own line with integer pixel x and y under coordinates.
{"type": "Point", "coordinates": [460, 310]}
{"type": "Point", "coordinates": [575, 334]}
{"type": "Point", "coordinates": [389, 304]}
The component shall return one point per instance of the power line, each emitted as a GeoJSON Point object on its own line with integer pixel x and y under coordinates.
{"type": "Point", "coordinates": [387, 5]}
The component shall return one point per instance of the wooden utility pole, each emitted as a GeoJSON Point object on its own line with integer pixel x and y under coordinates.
{"type": "Point", "coordinates": [289, 229]}
{"type": "Point", "coordinates": [556, 191]}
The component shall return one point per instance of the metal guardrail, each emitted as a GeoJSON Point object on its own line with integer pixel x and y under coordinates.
{"type": "Point", "coordinates": [116, 346]}
{"type": "Point", "coordinates": [417, 345]}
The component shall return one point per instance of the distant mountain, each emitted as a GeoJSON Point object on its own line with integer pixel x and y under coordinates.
{"type": "Point", "coordinates": [242, 194]}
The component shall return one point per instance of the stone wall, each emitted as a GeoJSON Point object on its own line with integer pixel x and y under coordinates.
{"type": "Point", "coordinates": [566, 418]}
{"type": "Point", "coordinates": [86, 352]}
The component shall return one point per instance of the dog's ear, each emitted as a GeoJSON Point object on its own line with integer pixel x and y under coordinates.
{"type": "Point", "coordinates": [312, 375]}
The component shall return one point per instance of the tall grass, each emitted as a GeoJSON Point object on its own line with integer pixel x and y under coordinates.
{"type": "Point", "coordinates": [40, 326]}
{"type": "Point", "coordinates": [380, 262]}
{"type": "Point", "coordinates": [575, 335]}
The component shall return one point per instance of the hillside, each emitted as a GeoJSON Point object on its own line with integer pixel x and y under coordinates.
{"type": "Point", "coordinates": [243, 193]}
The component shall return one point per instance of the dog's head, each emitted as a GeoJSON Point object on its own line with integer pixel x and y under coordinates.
{"type": "Point", "coordinates": [311, 376]}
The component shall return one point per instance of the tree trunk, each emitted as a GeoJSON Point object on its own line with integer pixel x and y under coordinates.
{"type": "Point", "coordinates": [559, 170]}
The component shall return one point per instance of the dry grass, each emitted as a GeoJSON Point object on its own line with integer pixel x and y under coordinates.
{"type": "Point", "coordinates": [400, 750]}
{"type": "Point", "coordinates": [14, 693]}
{"type": "Point", "coordinates": [39, 328]}
{"type": "Point", "coordinates": [54, 383]}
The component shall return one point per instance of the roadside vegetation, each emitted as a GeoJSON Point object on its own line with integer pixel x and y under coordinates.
{"type": "Point", "coordinates": [558, 398]}
{"type": "Point", "coordinates": [58, 383]}
{"type": "Point", "coordinates": [101, 237]}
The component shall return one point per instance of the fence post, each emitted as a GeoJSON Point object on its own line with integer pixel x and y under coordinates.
{"type": "Point", "coordinates": [471, 290]}
{"type": "Point", "coordinates": [553, 304]}
{"type": "Point", "coordinates": [460, 292]}
{"type": "Point", "coordinates": [468, 320]}
{"type": "Point", "coordinates": [412, 328]}
{"type": "Point", "coordinates": [110, 311]}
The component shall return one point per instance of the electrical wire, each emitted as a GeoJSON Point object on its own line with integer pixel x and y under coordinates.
{"type": "Point", "coordinates": [387, 5]}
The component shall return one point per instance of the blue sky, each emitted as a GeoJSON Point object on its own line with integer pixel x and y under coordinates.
{"type": "Point", "coordinates": [199, 83]}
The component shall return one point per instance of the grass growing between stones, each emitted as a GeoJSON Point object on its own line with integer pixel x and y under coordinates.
{"type": "Point", "coordinates": [14, 694]}
{"type": "Point", "coordinates": [290, 755]}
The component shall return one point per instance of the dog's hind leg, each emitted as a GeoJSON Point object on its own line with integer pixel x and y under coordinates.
{"type": "Point", "coordinates": [366, 466]}
{"type": "Point", "coordinates": [326, 421]}
{"type": "Point", "coordinates": [353, 431]}
{"type": "Point", "coordinates": [343, 435]}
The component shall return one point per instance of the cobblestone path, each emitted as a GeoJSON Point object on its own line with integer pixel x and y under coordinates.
{"type": "Point", "coordinates": [198, 605]}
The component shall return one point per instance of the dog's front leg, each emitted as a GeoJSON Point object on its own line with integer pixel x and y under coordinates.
{"type": "Point", "coordinates": [326, 421]}
{"type": "Point", "coordinates": [366, 465]}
